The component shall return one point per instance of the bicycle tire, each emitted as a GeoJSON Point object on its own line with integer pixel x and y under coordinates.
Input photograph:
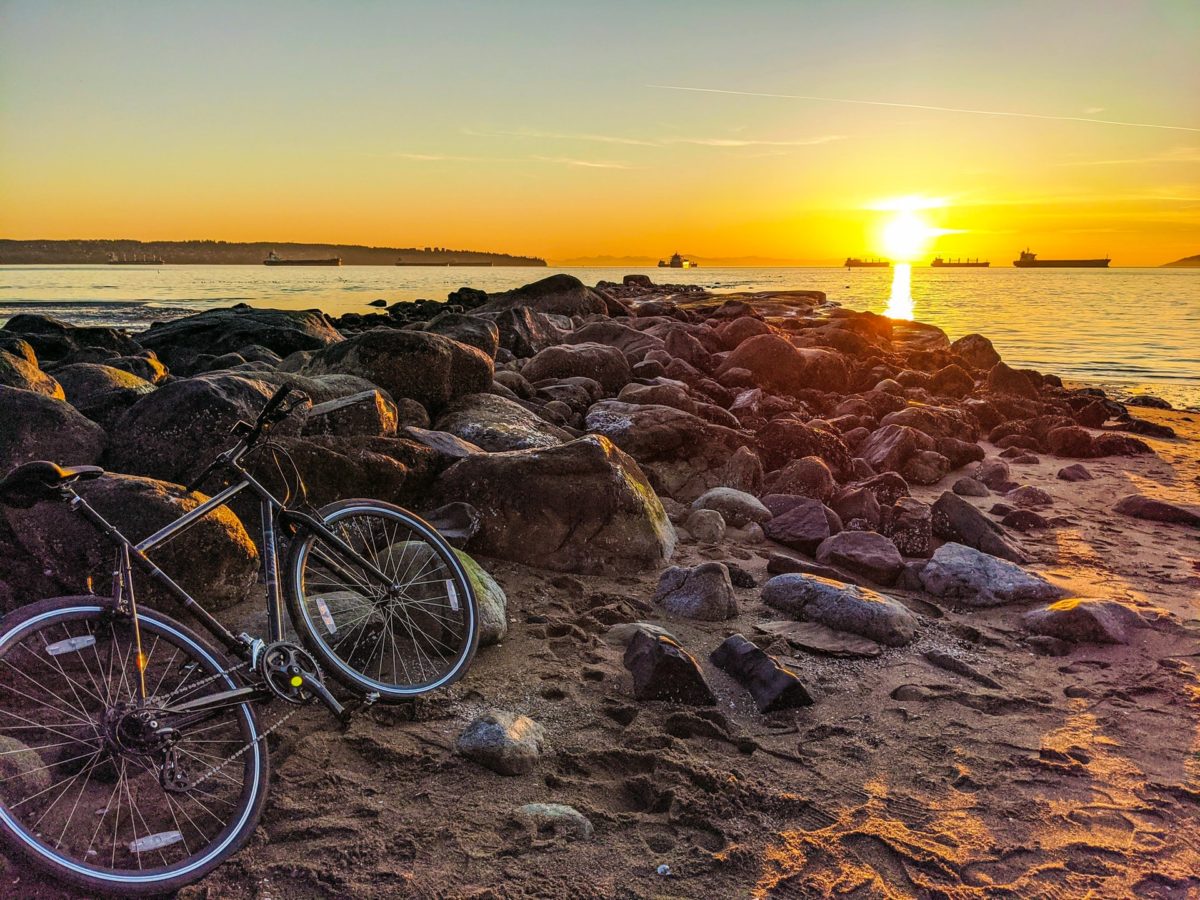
{"type": "Point", "coordinates": [56, 616]}
{"type": "Point", "coordinates": [457, 611]}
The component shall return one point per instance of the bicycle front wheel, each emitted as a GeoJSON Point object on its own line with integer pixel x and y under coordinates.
{"type": "Point", "coordinates": [83, 793]}
{"type": "Point", "coordinates": [403, 636]}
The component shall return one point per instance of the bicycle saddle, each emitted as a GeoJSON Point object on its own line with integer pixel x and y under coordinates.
{"type": "Point", "coordinates": [40, 480]}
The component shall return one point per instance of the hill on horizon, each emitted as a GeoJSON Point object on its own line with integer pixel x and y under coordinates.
{"type": "Point", "coordinates": [1186, 262]}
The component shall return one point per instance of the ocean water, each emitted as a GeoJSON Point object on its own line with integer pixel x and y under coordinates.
{"type": "Point", "coordinates": [1128, 330]}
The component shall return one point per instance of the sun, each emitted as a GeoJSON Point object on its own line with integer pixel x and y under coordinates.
{"type": "Point", "coordinates": [906, 236]}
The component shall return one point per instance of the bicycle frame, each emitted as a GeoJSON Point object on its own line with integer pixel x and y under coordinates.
{"type": "Point", "coordinates": [274, 513]}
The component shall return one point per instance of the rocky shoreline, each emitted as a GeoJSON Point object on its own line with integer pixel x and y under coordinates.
{"type": "Point", "coordinates": [784, 593]}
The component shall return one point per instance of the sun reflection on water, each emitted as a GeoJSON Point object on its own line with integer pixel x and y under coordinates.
{"type": "Point", "coordinates": [900, 303]}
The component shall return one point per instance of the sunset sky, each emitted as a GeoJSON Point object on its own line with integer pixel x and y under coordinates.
{"type": "Point", "coordinates": [558, 128]}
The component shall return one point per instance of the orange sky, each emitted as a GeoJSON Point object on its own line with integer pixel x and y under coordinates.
{"type": "Point", "coordinates": [556, 129]}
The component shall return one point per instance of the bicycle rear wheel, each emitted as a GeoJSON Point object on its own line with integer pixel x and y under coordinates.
{"type": "Point", "coordinates": [415, 633]}
{"type": "Point", "coordinates": [82, 794]}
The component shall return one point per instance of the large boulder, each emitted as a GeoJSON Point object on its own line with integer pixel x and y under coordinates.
{"type": "Point", "coordinates": [957, 520]}
{"type": "Point", "coordinates": [220, 331]}
{"type": "Point", "coordinates": [581, 507]}
{"type": "Point", "coordinates": [364, 413]}
{"type": "Point", "coordinates": [737, 508]}
{"type": "Point", "coordinates": [974, 578]}
{"type": "Point", "coordinates": [633, 343]}
{"type": "Point", "coordinates": [84, 381]}
{"type": "Point", "coordinates": [562, 294]}
{"type": "Point", "coordinates": [53, 339]}
{"type": "Point", "coordinates": [1002, 379]}
{"type": "Point", "coordinates": [1085, 620]}
{"type": "Point", "coordinates": [842, 607]}
{"type": "Point", "coordinates": [19, 369]}
{"type": "Point", "coordinates": [474, 331]}
{"type": "Point", "coordinates": [174, 432]}
{"type": "Point", "coordinates": [976, 351]}
{"type": "Point", "coordinates": [888, 448]}
{"type": "Point", "coordinates": [496, 423]}
{"type": "Point", "coordinates": [779, 367]}
{"type": "Point", "coordinates": [215, 560]}
{"type": "Point", "coordinates": [606, 365]}
{"type": "Point", "coordinates": [524, 332]}
{"type": "Point", "coordinates": [703, 592]}
{"type": "Point", "coordinates": [1140, 507]}
{"type": "Point", "coordinates": [684, 454]}
{"type": "Point", "coordinates": [429, 368]}
{"type": "Point", "coordinates": [862, 553]}
{"type": "Point", "coordinates": [35, 426]}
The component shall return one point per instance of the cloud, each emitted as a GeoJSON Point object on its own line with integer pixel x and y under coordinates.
{"type": "Point", "coordinates": [1174, 155]}
{"type": "Point", "coordinates": [582, 163]}
{"type": "Point", "coordinates": [949, 109]}
{"type": "Point", "coordinates": [561, 136]}
{"type": "Point", "coordinates": [655, 142]}
{"type": "Point", "coordinates": [1092, 110]}
{"type": "Point", "coordinates": [555, 160]}
{"type": "Point", "coordinates": [738, 142]}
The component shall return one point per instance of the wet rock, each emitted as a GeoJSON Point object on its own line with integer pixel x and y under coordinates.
{"type": "Point", "coordinates": [808, 476]}
{"type": "Point", "coordinates": [1139, 507]}
{"type": "Point", "coordinates": [663, 670]}
{"type": "Point", "coordinates": [581, 507]}
{"type": "Point", "coordinates": [1084, 620]}
{"type": "Point", "coordinates": [864, 553]}
{"type": "Point", "coordinates": [217, 562]}
{"type": "Point", "coordinates": [704, 592]}
{"type": "Point", "coordinates": [909, 523]}
{"type": "Point", "coordinates": [705, 525]}
{"type": "Point", "coordinates": [974, 578]}
{"type": "Point", "coordinates": [842, 607]}
{"type": "Point", "coordinates": [36, 426]}
{"type": "Point", "coordinates": [1076, 472]}
{"type": "Point", "coordinates": [606, 365]}
{"type": "Point", "coordinates": [497, 424]}
{"type": "Point", "coordinates": [507, 744]}
{"type": "Point", "coordinates": [957, 520]}
{"type": "Point", "coordinates": [474, 331]}
{"type": "Point", "coordinates": [803, 526]}
{"type": "Point", "coordinates": [1148, 401]}
{"type": "Point", "coordinates": [556, 819]}
{"type": "Point", "coordinates": [365, 413]}
{"type": "Point", "coordinates": [1005, 380]}
{"type": "Point", "coordinates": [429, 368]}
{"type": "Point", "coordinates": [1029, 497]}
{"type": "Point", "coordinates": [219, 331]}
{"type": "Point", "coordinates": [772, 686]}
{"type": "Point", "coordinates": [969, 487]}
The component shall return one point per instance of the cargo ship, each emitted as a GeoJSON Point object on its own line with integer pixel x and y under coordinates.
{"type": "Point", "coordinates": [454, 262]}
{"type": "Point", "coordinates": [677, 262]}
{"type": "Point", "coordinates": [939, 263]}
{"type": "Point", "coordinates": [1030, 261]}
{"type": "Point", "coordinates": [114, 260]}
{"type": "Point", "coordinates": [274, 259]}
{"type": "Point", "coordinates": [853, 262]}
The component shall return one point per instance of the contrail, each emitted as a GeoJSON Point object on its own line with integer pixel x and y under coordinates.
{"type": "Point", "coordinates": [949, 109]}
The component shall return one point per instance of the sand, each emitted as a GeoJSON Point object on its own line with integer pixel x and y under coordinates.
{"type": "Point", "coordinates": [1079, 776]}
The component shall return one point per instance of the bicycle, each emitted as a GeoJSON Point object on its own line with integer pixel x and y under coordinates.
{"type": "Point", "coordinates": [131, 756]}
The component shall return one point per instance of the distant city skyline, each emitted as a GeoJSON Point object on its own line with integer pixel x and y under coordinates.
{"type": "Point", "coordinates": [571, 131]}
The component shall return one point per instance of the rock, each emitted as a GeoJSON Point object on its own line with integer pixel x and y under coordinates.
{"type": "Point", "coordinates": [429, 368]}
{"type": "Point", "coordinates": [926, 467]}
{"type": "Point", "coordinates": [174, 432]}
{"type": "Point", "coordinates": [561, 294]}
{"type": "Point", "coordinates": [951, 381]}
{"type": "Point", "coordinates": [957, 520]}
{"type": "Point", "coordinates": [368, 413]}
{"type": "Point", "coordinates": [969, 487]}
{"type": "Point", "coordinates": [1005, 380]}
{"type": "Point", "coordinates": [910, 526]}
{"type": "Point", "coordinates": [474, 331]}
{"type": "Point", "coordinates": [808, 476]}
{"type": "Point", "coordinates": [524, 332]}
{"type": "Point", "coordinates": [1023, 520]}
{"type": "Point", "coordinates": [19, 369]}
{"type": "Point", "coordinates": [36, 426]}
{"type": "Point", "coordinates": [858, 504]}
{"type": "Point", "coordinates": [663, 670]}
{"type": "Point", "coordinates": [216, 562]}
{"type": "Point", "coordinates": [23, 769]}
{"type": "Point", "coordinates": [737, 508]}
{"type": "Point", "coordinates": [842, 607]}
{"type": "Point", "coordinates": [995, 474]}
{"type": "Point", "coordinates": [864, 553]}
{"type": "Point", "coordinates": [887, 487]}
{"type": "Point", "coordinates": [813, 637]}
{"type": "Point", "coordinates": [1083, 620]}
{"type": "Point", "coordinates": [804, 526]}
{"type": "Point", "coordinates": [622, 633]}
{"type": "Point", "coordinates": [447, 447]}
{"type": "Point", "coordinates": [1148, 401]}
{"type": "Point", "coordinates": [738, 330]}
{"type": "Point", "coordinates": [684, 454]}
{"type": "Point", "coordinates": [83, 381]}
{"type": "Point", "coordinates": [218, 331]}
{"type": "Point", "coordinates": [606, 365]}
{"type": "Point", "coordinates": [556, 818]}
{"type": "Point", "coordinates": [950, 663]}
{"type": "Point", "coordinates": [52, 339]}
{"type": "Point", "coordinates": [705, 525]}
{"type": "Point", "coordinates": [1076, 472]}
{"type": "Point", "coordinates": [497, 424]}
{"type": "Point", "coordinates": [665, 393]}
{"type": "Point", "coordinates": [490, 599]}
{"type": "Point", "coordinates": [782, 439]}
{"type": "Point", "coordinates": [505, 743]}
{"type": "Point", "coordinates": [937, 422]}
{"type": "Point", "coordinates": [1029, 497]}
{"type": "Point", "coordinates": [581, 507]}
{"type": "Point", "coordinates": [704, 592]}
{"type": "Point", "coordinates": [1139, 507]}
{"type": "Point", "coordinates": [961, 573]}
{"type": "Point", "coordinates": [779, 367]}
{"type": "Point", "coordinates": [976, 351]}
{"type": "Point", "coordinates": [771, 685]}
{"type": "Point", "coordinates": [1071, 441]}
{"type": "Point", "coordinates": [1109, 444]}
{"type": "Point", "coordinates": [890, 447]}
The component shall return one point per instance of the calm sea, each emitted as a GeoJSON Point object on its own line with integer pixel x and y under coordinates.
{"type": "Point", "coordinates": [1130, 330]}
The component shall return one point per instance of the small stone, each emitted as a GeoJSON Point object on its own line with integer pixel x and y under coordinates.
{"type": "Point", "coordinates": [1085, 620]}
{"type": "Point", "coordinates": [507, 744]}
{"type": "Point", "coordinates": [974, 578]}
{"type": "Point", "coordinates": [663, 670]}
{"type": "Point", "coordinates": [1029, 497]}
{"type": "Point", "coordinates": [1139, 507]}
{"type": "Point", "coordinates": [705, 525]}
{"type": "Point", "coordinates": [1024, 520]}
{"type": "Point", "coordinates": [1076, 472]}
{"type": "Point", "coordinates": [843, 607]}
{"type": "Point", "coordinates": [772, 686]}
{"type": "Point", "coordinates": [970, 487]}
{"type": "Point", "coordinates": [558, 818]}
{"type": "Point", "coordinates": [864, 553]}
{"type": "Point", "coordinates": [704, 592]}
